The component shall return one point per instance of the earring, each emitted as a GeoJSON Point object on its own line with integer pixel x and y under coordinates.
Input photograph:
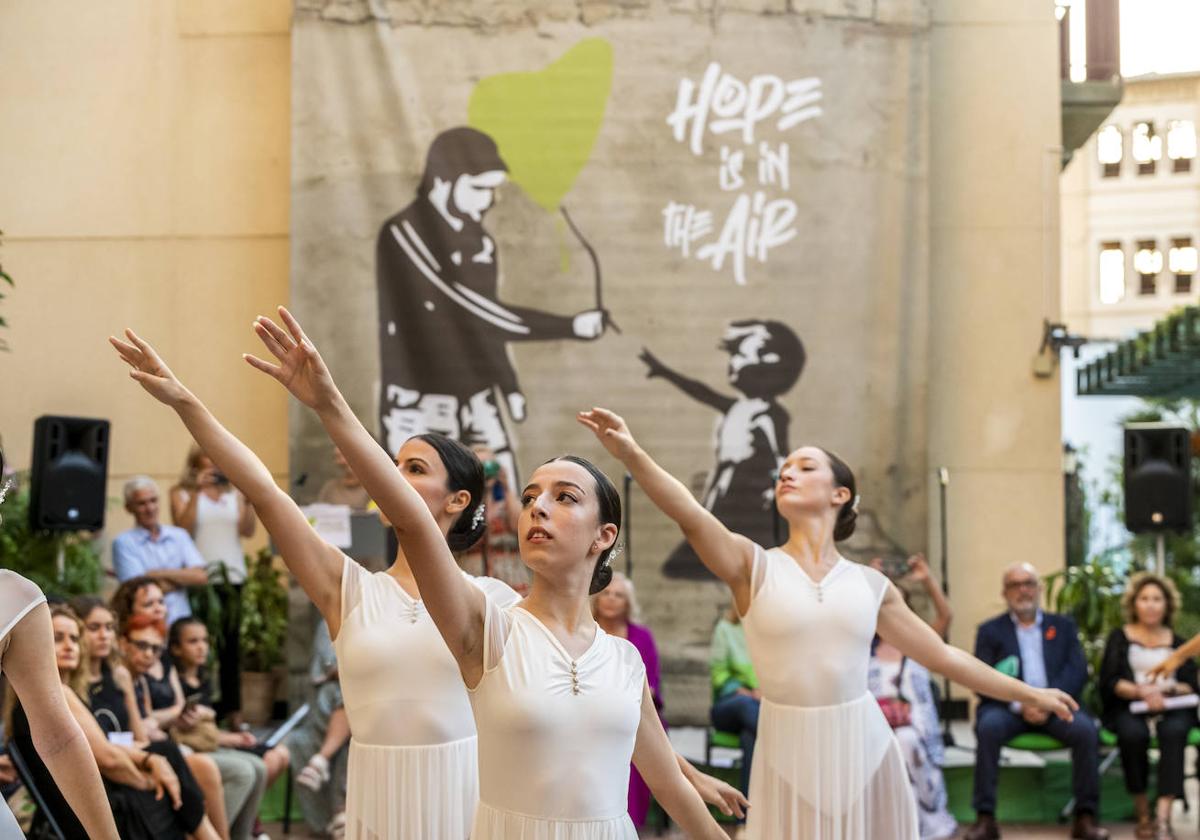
{"type": "Point", "coordinates": [478, 518]}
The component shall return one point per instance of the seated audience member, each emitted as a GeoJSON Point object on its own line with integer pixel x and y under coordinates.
{"type": "Point", "coordinates": [736, 696]}
{"type": "Point", "coordinates": [615, 608]}
{"type": "Point", "coordinates": [1149, 604]}
{"type": "Point", "coordinates": [318, 745]}
{"type": "Point", "coordinates": [240, 776]}
{"type": "Point", "coordinates": [1043, 650]}
{"type": "Point", "coordinates": [152, 549]}
{"type": "Point", "coordinates": [905, 693]}
{"type": "Point", "coordinates": [188, 644]}
{"type": "Point", "coordinates": [153, 796]}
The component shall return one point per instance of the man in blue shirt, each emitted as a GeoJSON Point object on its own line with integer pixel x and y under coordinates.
{"type": "Point", "coordinates": [1041, 649]}
{"type": "Point", "coordinates": [162, 552]}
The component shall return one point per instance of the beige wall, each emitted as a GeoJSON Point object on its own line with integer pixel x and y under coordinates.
{"type": "Point", "coordinates": [144, 162]}
{"type": "Point", "coordinates": [994, 124]}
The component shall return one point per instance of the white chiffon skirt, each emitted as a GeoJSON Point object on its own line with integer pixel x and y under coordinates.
{"type": "Point", "coordinates": [412, 793]}
{"type": "Point", "coordinates": [829, 773]}
{"type": "Point", "coordinates": [494, 824]}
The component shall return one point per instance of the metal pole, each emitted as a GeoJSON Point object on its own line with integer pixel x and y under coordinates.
{"type": "Point", "coordinates": [628, 489]}
{"type": "Point", "coordinates": [943, 486]}
{"type": "Point", "coordinates": [1161, 550]}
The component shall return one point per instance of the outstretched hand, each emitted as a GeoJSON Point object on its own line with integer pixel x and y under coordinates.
{"type": "Point", "coordinates": [1058, 703]}
{"type": "Point", "coordinates": [610, 430]}
{"type": "Point", "coordinates": [301, 369]}
{"type": "Point", "coordinates": [1167, 667]}
{"type": "Point", "coordinates": [149, 370]}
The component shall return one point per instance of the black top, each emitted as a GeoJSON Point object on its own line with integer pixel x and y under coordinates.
{"type": "Point", "coordinates": [162, 695]}
{"type": "Point", "coordinates": [199, 692]}
{"type": "Point", "coordinates": [108, 702]}
{"type": "Point", "coordinates": [1116, 667]}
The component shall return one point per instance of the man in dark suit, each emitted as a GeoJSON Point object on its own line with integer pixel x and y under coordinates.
{"type": "Point", "coordinates": [1041, 649]}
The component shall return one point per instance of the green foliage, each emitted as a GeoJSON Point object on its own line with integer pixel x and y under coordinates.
{"type": "Point", "coordinates": [264, 615]}
{"type": "Point", "coordinates": [218, 605]}
{"type": "Point", "coordinates": [1091, 594]}
{"type": "Point", "coordinates": [34, 554]}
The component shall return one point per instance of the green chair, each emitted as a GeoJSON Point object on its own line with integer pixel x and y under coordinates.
{"type": "Point", "coordinates": [1038, 742]}
{"type": "Point", "coordinates": [718, 738]}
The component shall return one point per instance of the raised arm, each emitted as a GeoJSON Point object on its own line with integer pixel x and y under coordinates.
{"type": "Point", "coordinates": [57, 737]}
{"type": "Point", "coordinates": [1188, 650]}
{"type": "Point", "coordinates": [726, 554]}
{"type": "Point", "coordinates": [694, 388]}
{"type": "Point", "coordinates": [455, 606]}
{"type": "Point", "coordinates": [316, 564]}
{"type": "Point", "coordinates": [660, 768]}
{"type": "Point", "coordinates": [904, 629]}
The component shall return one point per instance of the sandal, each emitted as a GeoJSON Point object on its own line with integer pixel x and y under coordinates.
{"type": "Point", "coordinates": [315, 774]}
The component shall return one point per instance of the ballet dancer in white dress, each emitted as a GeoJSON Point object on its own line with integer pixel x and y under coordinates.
{"type": "Point", "coordinates": [412, 770]}
{"type": "Point", "coordinates": [827, 766]}
{"type": "Point", "coordinates": [27, 660]}
{"type": "Point", "coordinates": [560, 706]}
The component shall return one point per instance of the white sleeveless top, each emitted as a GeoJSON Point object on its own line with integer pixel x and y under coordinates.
{"type": "Point", "coordinates": [18, 597]}
{"type": "Point", "coordinates": [556, 734]}
{"type": "Point", "coordinates": [811, 642]}
{"type": "Point", "coordinates": [412, 772]}
{"type": "Point", "coordinates": [216, 534]}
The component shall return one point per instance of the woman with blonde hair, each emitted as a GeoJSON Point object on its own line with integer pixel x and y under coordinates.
{"type": "Point", "coordinates": [1132, 698]}
{"type": "Point", "coordinates": [152, 797]}
{"type": "Point", "coordinates": [615, 609]}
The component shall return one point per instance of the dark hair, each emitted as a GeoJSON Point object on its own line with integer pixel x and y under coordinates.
{"type": "Point", "coordinates": [125, 596]}
{"type": "Point", "coordinates": [82, 605]}
{"type": "Point", "coordinates": [847, 516]}
{"type": "Point", "coordinates": [177, 629]}
{"type": "Point", "coordinates": [610, 514]}
{"type": "Point", "coordinates": [463, 472]}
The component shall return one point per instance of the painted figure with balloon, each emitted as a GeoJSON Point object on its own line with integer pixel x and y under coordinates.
{"type": "Point", "coordinates": [443, 331]}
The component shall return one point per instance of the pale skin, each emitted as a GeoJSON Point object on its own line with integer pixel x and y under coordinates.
{"type": "Point", "coordinates": [185, 500]}
{"type": "Point", "coordinates": [131, 766]}
{"type": "Point", "coordinates": [317, 565]}
{"type": "Point", "coordinates": [809, 499]}
{"type": "Point", "coordinates": [143, 650]}
{"type": "Point", "coordinates": [918, 572]}
{"type": "Point", "coordinates": [143, 505]}
{"type": "Point", "coordinates": [1150, 609]}
{"type": "Point", "coordinates": [190, 655]}
{"type": "Point", "coordinates": [29, 665]}
{"type": "Point", "coordinates": [560, 539]}
{"type": "Point", "coordinates": [99, 627]}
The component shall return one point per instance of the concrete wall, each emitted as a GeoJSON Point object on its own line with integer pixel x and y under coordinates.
{"type": "Point", "coordinates": [994, 129]}
{"type": "Point", "coordinates": [144, 162]}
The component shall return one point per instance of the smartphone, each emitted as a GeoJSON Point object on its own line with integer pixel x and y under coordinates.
{"type": "Point", "coordinates": [220, 478]}
{"type": "Point", "coordinates": [895, 567]}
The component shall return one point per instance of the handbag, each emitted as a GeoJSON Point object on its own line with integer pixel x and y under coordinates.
{"type": "Point", "coordinates": [896, 710]}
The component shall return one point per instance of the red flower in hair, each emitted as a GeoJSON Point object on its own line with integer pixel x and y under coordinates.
{"type": "Point", "coordinates": [1051, 632]}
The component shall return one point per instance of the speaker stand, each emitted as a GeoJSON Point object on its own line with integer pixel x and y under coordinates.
{"type": "Point", "coordinates": [1160, 545]}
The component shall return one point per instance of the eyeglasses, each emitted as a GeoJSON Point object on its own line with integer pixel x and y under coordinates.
{"type": "Point", "coordinates": [1021, 584]}
{"type": "Point", "coordinates": [147, 647]}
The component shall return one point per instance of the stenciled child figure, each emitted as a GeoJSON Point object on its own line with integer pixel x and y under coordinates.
{"type": "Point", "coordinates": [766, 359]}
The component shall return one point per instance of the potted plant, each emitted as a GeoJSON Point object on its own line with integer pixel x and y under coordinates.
{"type": "Point", "coordinates": [264, 628]}
{"type": "Point", "coordinates": [61, 563]}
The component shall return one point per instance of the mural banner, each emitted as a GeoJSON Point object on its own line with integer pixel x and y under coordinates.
{"type": "Point", "coordinates": [712, 222]}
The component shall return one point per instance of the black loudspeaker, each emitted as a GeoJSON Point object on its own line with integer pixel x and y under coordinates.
{"type": "Point", "coordinates": [70, 469]}
{"type": "Point", "coordinates": [1158, 477]}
